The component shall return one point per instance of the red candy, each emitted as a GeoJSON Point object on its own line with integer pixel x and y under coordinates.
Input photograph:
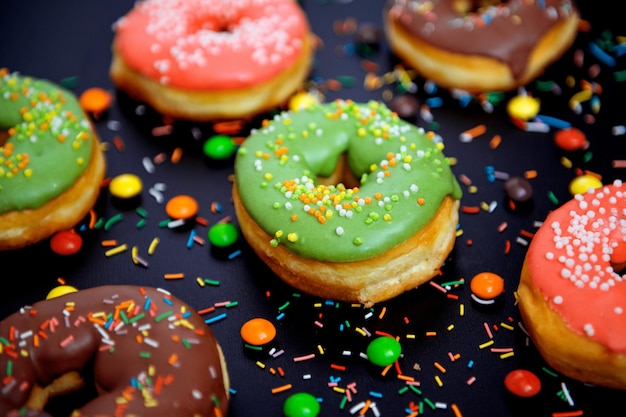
{"type": "Point", "coordinates": [522, 383]}
{"type": "Point", "coordinates": [66, 242]}
{"type": "Point", "coordinates": [570, 139]}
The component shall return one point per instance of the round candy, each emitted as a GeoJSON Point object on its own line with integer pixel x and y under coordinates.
{"type": "Point", "coordinates": [219, 147]}
{"type": "Point", "coordinates": [59, 291]}
{"type": "Point", "coordinates": [302, 100]}
{"type": "Point", "coordinates": [487, 285]}
{"type": "Point", "coordinates": [405, 105]}
{"type": "Point", "coordinates": [583, 183]}
{"type": "Point", "coordinates": [181, 207]}
{"type": "Point", "coordinates": [223, 234]}
{"type": "Point", "coordinates": [383, 351]}
{"type": "Point", "coordinates": [258, 331]}
{"type": "Point", "coordinates": [518, 189]}
{"type": "Point", "coordinates": [125, 186]}
{"type": "Point", "coordinates": [522, 383]}
{"type": "Point", "coordinates": [301, 404]}
{"type": "Point", "coordinates": [95, 100]}
{"type": "Point", "coordinates": [523, 107]}
{"type": "Point", "coordinates": [570, 139]}
{"type": "Point", "coordinates": [66, 242]}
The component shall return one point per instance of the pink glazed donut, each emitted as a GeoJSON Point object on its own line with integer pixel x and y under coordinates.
{"type": "Point", "coordinates": [572, 293]}
{"type": "Point", "coordinates": [212, 59]}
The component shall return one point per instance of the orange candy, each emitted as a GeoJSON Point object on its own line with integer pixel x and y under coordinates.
{"type": "Point", "coordinates": [258, 331]}
{"type": "Point", "coordinates": [95, 100]}
{"type": "Point", "coordinates": [487, 285]}
{"type": "Point", "coordinates": [182, 207]}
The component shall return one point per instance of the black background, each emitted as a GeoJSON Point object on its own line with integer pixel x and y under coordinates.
{"type": "Point", "coordinates": [70, 40]}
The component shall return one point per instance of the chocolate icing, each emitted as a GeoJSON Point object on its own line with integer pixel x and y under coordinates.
{"type": "Point", "coordinates": [507, 31]}
{"type": "Point", "coordinates": [146, 347]}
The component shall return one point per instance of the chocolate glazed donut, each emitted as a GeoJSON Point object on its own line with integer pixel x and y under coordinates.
{"type": "Point", "coordinates": [152, 355]}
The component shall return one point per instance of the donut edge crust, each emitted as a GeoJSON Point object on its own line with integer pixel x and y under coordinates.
{"type": "Point", "coordinates": [369, 281]}
{"type": "Point", "coordinates": [477, 74]}
{"type": "Point", "coordinates": [570, 353]}
{"type": "Point", "coordinates": [217, 104]}
{"type": "Point", "coordinates": [19, 229]}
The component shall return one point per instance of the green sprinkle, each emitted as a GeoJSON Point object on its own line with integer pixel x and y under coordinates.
{"type": "Point", "coordinates": [248, 346]}
{"type": "Point", "coordinates": [553, 198]}
{"type": "Point", "coordinates": [186, 343]}
{"type": "Point", "coordinates": [112, 221]}
{"type": "Point", "coordinates": [141, 212]}
{"type": "Point", "coordinates": [284, 306]}
{"type": "Point", "coordinates": [141, 223]}
{"type": "Point", "coordinates": [163, 316]}
{"type": "Point", "coordinates": [123, 316]}
{"type": "Point", "coordinates": [549, 372]}
{"type": "Point", "coordinates": [99, 223]}
{"type": "Point", "coordinates": [232, 304]}
{"type": "Point", "coordinates": [403, 390]}
{"type": "Point", "coordinates": [430, 403]}
{"type": "Point", "coordinates": [137, 317]}
{"type": "Point", "coordinates": [9, 368]}
{"type": "Point", "coordinates": [164, 223]}
{"type": "Point", "coordinates": [145, 354]}
{"type": "Point", "coordinates": [211, 282]}
{"type": "Point", "coordinates": [415, 390]}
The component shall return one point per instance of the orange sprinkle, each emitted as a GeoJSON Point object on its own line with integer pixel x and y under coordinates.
{"type": "Point", "coordinates": [526, 233]}
{"type": "Point", "coordinates": [495, 141]}
{"type": "Point", "coordinates": [421, 201]}
{"type": "Point", "coordinates": [108, 243]}
{"type": "Point", "coordinates": [530, 174]}
{"type": "Point", "coordinates": [178, 275]}
{"type": "Point", "coordinates": [282, 388]}
{"type": "Point", "coordinates": [118, 143]}
{"type": "Point", "coordinates": [470, 209]}
{"type": "Point", "coordinates": [229, 127]}
{"type": "Point", "coordinates": [337, 367]}
{"type": "Point", "coordinates": [176, 155]}
{"type": "Point", "coordinates": [507, 247]}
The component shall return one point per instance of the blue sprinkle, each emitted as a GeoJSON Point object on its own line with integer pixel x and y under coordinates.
{"type": "Point", "coordinates": [216, 318]}
{"type": "Point", "coordinates": [168, 301]}
{"type": "Point", "coordinates": [601, 55]}
{"type": "Point", "coordinates": [553, 122]}
{"type": "Point", "coordinates": [280, 316]}
{"type": "Point", "coordinates": [434, 102]}
{"type": "Point", "coordinates": [470, 364]}
{"type": "Point", "coordinates": [146, 305]}
{"type": "Point", "coordinates": [192, 234]}
{"type": "Point", "coordinates": [234, 254]}
{"type": "Point", "coordinates": [620, 49]}
{"type": "Point", "coordinates": [376, 394]}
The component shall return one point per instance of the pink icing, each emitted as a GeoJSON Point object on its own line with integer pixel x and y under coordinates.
{"type": "Point", "coordinates": [211, 44]}
{"type": "Point", "coordinates": [571, 261]}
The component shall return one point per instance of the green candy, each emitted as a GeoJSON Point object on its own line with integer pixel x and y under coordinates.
{"type": "Point", "coordinates": [301, 404]}
{"type": "Point", "coordinates": [219, 147]}
{"type": "Point", "coordinates": [223, 234]}
{"type": "Point", "coordinates": [383, 351]}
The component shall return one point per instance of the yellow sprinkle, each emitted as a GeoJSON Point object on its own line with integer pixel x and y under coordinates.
{"type": "Point", "coordinates": [459, 233]}
{"type": "Point", "coordinates": [320, 349]}
{"type": "Point", "coordinates": [506, 355]}
{"type": "Point", "coordinates": [260, 364]}
{"type": "Point", "coordinates": [450, 327]}
{"type": "Point", "coordinates": [292, 237]}
{"type": "Point", "coordinates": [200, 281]}
{"type": "Point", "coordinates": [116, 250]}
{"type": "Point", "coordinates": [339, 390]}
{"type": "Point", "coordinates": [438, 381]}
{"type": "Point", "coordinates": [461, 309]}
{"type": "Point", "coordinates": [410, 336]}
{"type": "Point", "coordinates": [506, 326]}
{"type": "Point", "coordinates": [360, 331]}
{"type": "Point", "coordinates": [133, 255]}
{"type": "Point", "coordinates": [486, 344]}
{"type": "Point", "coordinates": [566, 162]}
{"type": "Point", "coordinates": [153, 245]}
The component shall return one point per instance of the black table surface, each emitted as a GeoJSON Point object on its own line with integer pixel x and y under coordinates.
{"type": "Point", "coordinates": [69, 41]}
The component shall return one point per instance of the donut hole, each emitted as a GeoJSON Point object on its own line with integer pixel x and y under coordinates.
{"type": "Point", "coordinates": [474, 6]}
{"type": "Point", "coordinates": [341, 175]}
{"type": "Point", "coordinates": [199, 23]}
{"type": "Point", "coordinates": [66, 393]}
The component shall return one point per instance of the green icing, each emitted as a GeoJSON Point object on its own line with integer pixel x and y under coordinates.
{"type": "Point", "coordinates": [49, 143]}
{"type": "Point", "coordinates": [277, 168]}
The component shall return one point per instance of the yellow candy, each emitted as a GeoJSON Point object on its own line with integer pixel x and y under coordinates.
{"type": "Point", "coordinates": [125, 186]}
{"type": "Point", "coordinates": [302, 100]}
{"type": "Point", "coordinates": [584, 183]}
{"type": "Point", "coordinates": [523, 107]}
{"type": "Point", "coordinates": [59, 291]}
